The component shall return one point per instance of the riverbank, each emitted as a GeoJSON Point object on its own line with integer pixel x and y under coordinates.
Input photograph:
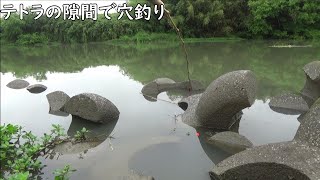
{"type": "Point", "coordinates": [139, 38]}
{"type": "Point", "coordinates": [195, 19]}
{"type": "Point", "coordinates": [159, 40]}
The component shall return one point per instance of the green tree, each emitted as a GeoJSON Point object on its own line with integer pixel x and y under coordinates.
{"type": "Point", "coordinates": [12, 28]}
{"type": "Point", "coordinates": [204, 16]}
{"type": "Point", "coordinates": [284, 18]}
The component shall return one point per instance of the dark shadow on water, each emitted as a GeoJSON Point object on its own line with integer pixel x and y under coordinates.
{"type": "Point", "coordinates": [96, 130]}
{"type": "Point", "coordinates": [98, 133]}
{"type": "Point", "coordinates": [170, 161]}
{"type": "Point", "coordinates": [215, 153]}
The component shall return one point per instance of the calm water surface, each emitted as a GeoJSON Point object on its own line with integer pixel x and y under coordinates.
{"type": "Point", "coordinates": [148, 138]}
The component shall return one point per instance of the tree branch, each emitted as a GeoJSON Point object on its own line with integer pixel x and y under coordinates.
{"type": "Point", "coordinates": [167, 14]}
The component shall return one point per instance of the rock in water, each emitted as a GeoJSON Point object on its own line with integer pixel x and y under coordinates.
{"type": "Point", "coordinates": [312, 70]}
{"type": "Point", "coordinates": [298, 159]}
{"type": "Point", "coordinates": [225, 97]}
{"type": "Point", "coordinates": [230, 141]}
{"type": "Point", "coordinates": [151, 90]}
{"type": "Point", "coordinates": [159, 84]}
{"type": "Point", "coordinates": [36, 88]}
{"type": "Point", "coordinates": [18, 84]}
{"type": "Point", "coordinates": [289, 103]}
{"type": "Point", "coordinates": [285, 161]}
{"type": "Point", "coordinates": [311, 89]}
{"type": "Point", "coordinates": [309, 130]}
{"type": "Point", "coordinates": [92, 107]}
{"type": "Point", "coordinates": [219, 105]}
{"type": "Point", "coordinates": [215, 153]}
{"type": "Point", "coordinates": [57, 100]}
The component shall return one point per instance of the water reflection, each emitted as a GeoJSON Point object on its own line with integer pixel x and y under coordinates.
{"type": "Point", "coordinates": [178, 161]}
{"type": "Point", "coordinates": [97, 134]}
{"type": "Point", "coordinates": [144, 140]}
{"type": "Point", "coordinates": [208, 61]}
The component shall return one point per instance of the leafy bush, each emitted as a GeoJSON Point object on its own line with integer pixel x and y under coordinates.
{"type": "Point", "coordinates": [20, 150]}
{"type": "Point", "coordinates": [81, 135]}
{"type": "Point", "coordinates": [283, 18]}
{"type": "Point", "coordinates": [63, 174]}
{"type": "Point", "coordinates": [32, 39]}
{"type": "Point", "coordinates": [19, 176]}
{"type": "Point", "coordinates": [11, 29]}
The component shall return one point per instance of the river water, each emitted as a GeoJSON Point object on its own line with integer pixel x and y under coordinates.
{"type": "Point", "coordinates": [149, 137]}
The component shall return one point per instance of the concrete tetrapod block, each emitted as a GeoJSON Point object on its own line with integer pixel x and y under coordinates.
{"type": "Point", "coordinates": [18, 84]}
{"type": "Point", "coordinates": [57, 100]}
{"type": "Point", "coordinates": [92, 107]}
{"type": "Point", "coordinates": [230, 141]}
{"type": "Point", "coordinates": [219, 105]}
{"type": "Point", "coordinates": [151, 90]}
{"type": "Point", "coordinates": [309, 130]}
{"type": "Point", "coordinates": [311, 89]}
{"type": "Point", "coordinates": [298, 159]}
{"type": "Point", "coordinates": [312, 70]}
{"type": "Point", "coordinates": [36, 88]}
{"type": "Point", "coordinates": [289, 103]}
{"type": "Point", "coordinates": [215, 153]}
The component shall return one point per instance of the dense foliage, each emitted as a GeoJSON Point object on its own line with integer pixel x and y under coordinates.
{"type": "Point", "coordinates": [270, 19]}
{"type": "Point", "coordinates": [285, 18]}
{"type": "Point", "coordinates": [209, 18]}
{"type": "Point", "coordinates": [20, 150]}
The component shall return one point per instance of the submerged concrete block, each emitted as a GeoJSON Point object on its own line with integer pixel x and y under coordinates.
{"type": "Point", "coordinates": [57, 100]}
{"type": "Point", "coordinates": [230, 141]}
{"type": "Point", "coordinates": [298, 159]}
{"type": "Point", "coordinates": [219, 105]}
{"type": "Point", "coordinates": [36, 88]}
{"type": "Point", "coordinates": [289, 103]}
{"type": "Point", "coordinates": [151, 90]}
